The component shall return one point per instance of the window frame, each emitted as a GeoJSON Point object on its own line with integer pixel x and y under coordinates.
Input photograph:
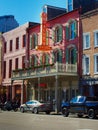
{"type": "Point", "coordinates": [16, 63]}
{"type": "Point", "coordinates": [95, 63]}
{"type": "Point", "coordinates": [96, 38]}
{"type": "Point", "coordinates": [11, 46]}
{"type": "Point", "coordinates": [85, 66]}
{"type": "Point", "coordinates": [10, 67]}
{"type": "Point", "coordinates": [17, 43]}
{"type": "Point", "coordinates": [24, 40]}
{"type": "Point", "coordinates": [85, 46]}
{"type": "Point", "coordinates": [5, 47]}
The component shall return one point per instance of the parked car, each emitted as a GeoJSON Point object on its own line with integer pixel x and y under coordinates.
{"type": "Point", "coordinates": [36, 106]}
{"type": "Point", "coordinates": [9, 105]}
{"type": "Point", "coordinates": [81, 105]}
{"type": "Point", "coordinates": [1, 105]}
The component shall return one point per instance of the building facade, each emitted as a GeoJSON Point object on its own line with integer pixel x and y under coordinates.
{"type": "Point", "coordinates": [54, 59]}
{"type": "Point", "coordinates": [89, 81]}
{"type": "Point", "coordinates": [14, 52]}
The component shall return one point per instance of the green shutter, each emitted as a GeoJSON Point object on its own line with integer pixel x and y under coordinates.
{"type": "Point", "coordinates": [67, 55]}
{"type": "Point", "coordinates": [47, 59]}
{"type": "Point", "coordinates": [60, 33]}
{"type": "Point", "coordinates": [35, 61]}
{"type": "Point", "coordinates": [47, 37]}
{"type": "Point", "coordinates": [30, 42]}
{"type": "Point", "coordinates": [67, 32]}
{"type": "Point", "coordinates": [60, 56]}
{"type": "Point", "coordinates": [41, 60]}
{"type": "Point", "coordinates": [36, 40]}
{"type": "Point", "coordinates": [75, 55]}
{"type": "Point", "coordinates": [53, 36]}
{"type": "Point", "coordinates": [30, 61]}
{"type": "Point", "coordinates": [53, 57]}
{"type": "Point", "coordinates": [75, 29]}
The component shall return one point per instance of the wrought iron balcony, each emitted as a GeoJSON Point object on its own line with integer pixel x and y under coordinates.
{"type": "Point", "coordinates": [48, 70]}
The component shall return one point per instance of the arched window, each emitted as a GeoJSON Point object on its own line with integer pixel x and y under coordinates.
{"type": "Point", "coordinates": [33, 60]}
{"type": "Point", "coordinates": [33, 41]}
{"type": "Point", "coordinates": [71, 55]}
{"type": "Point", "coordinates": [58, 56]}
{"type": "Point", "coordinates": [57, 34]}
{"type": "Point", "coordinates": [71, 30]}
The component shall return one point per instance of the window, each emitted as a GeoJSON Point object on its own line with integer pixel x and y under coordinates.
{"type": "Point", "coordinates": [58, 34]}
{"type": "Point", "coordinates": [11, 42]}
{"type": "Point", "coordinates": [24, 41]}
{"type": "Point", "coordinates": [4, 71]}
{"type": "Point", "coordinates": [96, 39]}
{"type": "Point", "coordinates": [17, 43]}
{"type": "Point", "coordinates": [33, 41]}
{"type": "Point", "coordinates": [34, 60]}
{"type": "Point", "coordinates": [58, 56]}
{"type": "Point", "coordinates": [86, 65]}
{"type": "Point", "coordinates": [71, 55]}
{"type": "Point", "coordinates": [10, 68]}
{"type": "Point", "coordinates": [71, 30]}
{"type": "Point", "coordinates": [5, 46]}
{"type": "Point", "coordinates": [23, 62]}
{"type": "Point", "coordinates": [86, 41]}
{"type": "Point", "coordinates": [16, 63]}
{"type": "Point", "coordinates": [96, 63]}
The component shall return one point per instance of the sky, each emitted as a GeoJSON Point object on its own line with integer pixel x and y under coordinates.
{"type": "Point", "coordinates": [27, 10]}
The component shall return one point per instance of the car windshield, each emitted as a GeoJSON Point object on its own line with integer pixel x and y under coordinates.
{"type": "Point", "coordinates": [32, 102]}
{"type": "Point", "coordinates": [77, 99]}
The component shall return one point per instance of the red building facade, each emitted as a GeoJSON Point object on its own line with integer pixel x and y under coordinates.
{"type": "Point", "coordinates": [53, 54]}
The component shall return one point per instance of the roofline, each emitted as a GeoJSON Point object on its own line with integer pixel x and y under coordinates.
{"type": "Point", "coordinates": [90, 13]}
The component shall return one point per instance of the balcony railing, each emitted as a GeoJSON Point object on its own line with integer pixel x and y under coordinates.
{"type": "Point", "coordinates": [58, 68]}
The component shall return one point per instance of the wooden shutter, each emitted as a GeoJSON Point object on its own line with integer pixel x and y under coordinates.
{"type": "Point", "coordinates": [60, 33]}
{"type": "Point", "coordinates": [67, 32]}
{"type": "Point", "coordinates": [67, 55]}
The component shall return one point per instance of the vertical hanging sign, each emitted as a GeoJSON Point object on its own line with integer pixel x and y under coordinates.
{"type": "Point", "coordinates": [43, 27]}
{"type": "Point", "coordinates": [43, 46]}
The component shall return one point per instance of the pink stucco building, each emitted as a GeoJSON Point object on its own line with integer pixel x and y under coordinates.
{"type": "Point", "coordinates": [14, 50]}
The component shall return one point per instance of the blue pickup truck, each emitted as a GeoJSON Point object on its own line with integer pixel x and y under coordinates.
{"type": "Point", "coordinates": [81, 105]}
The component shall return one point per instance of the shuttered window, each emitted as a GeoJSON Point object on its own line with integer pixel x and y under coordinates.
{"type": "Point", "coordinates": [71, 30]}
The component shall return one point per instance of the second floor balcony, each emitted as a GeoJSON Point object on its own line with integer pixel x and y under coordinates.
{"type": "Point", "coordinates": [45, 70]}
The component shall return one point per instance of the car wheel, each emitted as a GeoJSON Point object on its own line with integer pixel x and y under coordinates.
{"type": "Point", "coordinates": [16, 109]}
{"type": "Point", "coordinates": [80, 115]}
{"type": "Point", "coordinates": [47, 112]}
{"type": "Point", "coordinates": [65, 112]}
{"type": "Point", "coordinates": [22, 109]}
{"type": "Point", "coordinates": [35, 110]}
{"type": "Point", "coordinates": [91, 113]}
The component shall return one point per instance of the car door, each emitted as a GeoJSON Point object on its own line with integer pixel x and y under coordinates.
{"type": "Point", "coordinates": [77, 104]}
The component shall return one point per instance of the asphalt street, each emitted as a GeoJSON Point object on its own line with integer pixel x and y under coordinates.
{"type": "Point", "coordinates": [10, 120]}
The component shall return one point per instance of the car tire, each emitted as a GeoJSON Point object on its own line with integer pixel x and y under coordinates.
{"type": "Point", "coordinates": [22, 109]}
{"type": "Point", "coordinates": [80, 115]}
{"type": "Point", "coordinates": [65, 112]}
{"type": "Point", "coordinates": [16, 109]}
{"type": "Point", "coordinates": [91, 113]}
{"type": "Point", "coordinates": [47, 112]}
{"type": "Point", "coordinates": [35, 110]}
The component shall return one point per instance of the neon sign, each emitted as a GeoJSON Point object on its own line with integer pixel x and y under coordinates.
{"type": "Point", "coordinates": [43, 46]}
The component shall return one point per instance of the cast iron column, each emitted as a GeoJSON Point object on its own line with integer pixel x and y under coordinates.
{"type": "Point", "coordinates": [56, 94]}
{"type": "Point", "coordinates": [38, 88]}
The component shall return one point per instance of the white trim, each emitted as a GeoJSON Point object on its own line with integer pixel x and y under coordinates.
{"type": "Point", "coordinates": [95, 42]}
{"type": "Point", "coordinates": [84, 67]}
{"type": "Point", "coordinates": [84, 42]}
{"type": "Point", "coordinates": [95, 64]}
